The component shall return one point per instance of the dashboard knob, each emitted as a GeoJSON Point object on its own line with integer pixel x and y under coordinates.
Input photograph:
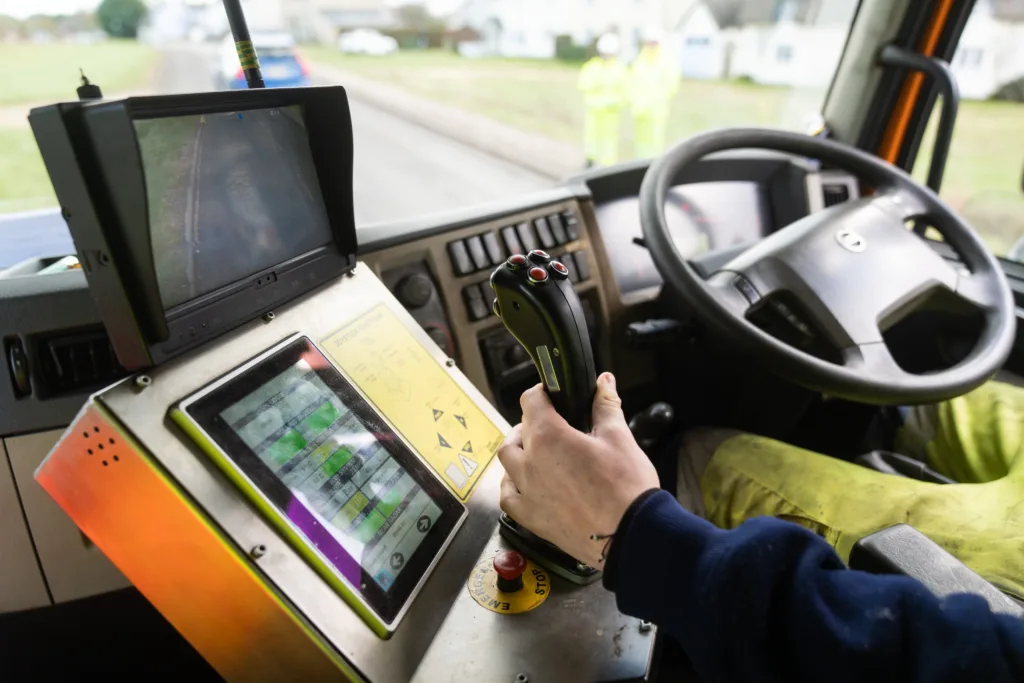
{"type": "Point", "coordinates": [516, 355]}
{"type": "Point", "coordinates": [440, 337]}
{"type": "Point", "coordinates": [414, 291]}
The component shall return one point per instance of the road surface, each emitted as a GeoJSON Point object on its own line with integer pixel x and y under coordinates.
{"type": "Point", "coordinates": [401, 169]}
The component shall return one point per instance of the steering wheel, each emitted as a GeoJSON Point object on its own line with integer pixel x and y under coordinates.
{"type": "Point", "coordinates": [852, 269]}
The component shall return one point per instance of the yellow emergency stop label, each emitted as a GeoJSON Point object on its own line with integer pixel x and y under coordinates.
{"type": "Point", "coordinates": [406, 384]}
{"type": "Point", "coordinates": [483, 586]}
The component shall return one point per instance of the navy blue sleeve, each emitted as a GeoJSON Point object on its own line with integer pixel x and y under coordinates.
{"type": "Point", "coordinates": [770, 600]}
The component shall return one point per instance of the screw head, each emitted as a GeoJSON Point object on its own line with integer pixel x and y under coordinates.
{"type": "Point", "coordinates": [143, 381]}
{"type": "Point", "coordinates": [450, 362]}
{"type": "Point", "coordinates": [258, 551]}
{"type": "Point", "coordinates": [268, 316]}
{"type": "Point", "coordinates": [645, 626]}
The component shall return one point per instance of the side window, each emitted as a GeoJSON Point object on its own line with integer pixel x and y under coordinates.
{"type": "Point", "coordinates": [984, 178]}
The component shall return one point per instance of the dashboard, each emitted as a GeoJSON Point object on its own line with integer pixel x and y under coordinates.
{"type": "Point", "coordinates": [702, 217]}
{"type": "Point", "coordinates": [440, 270]}
{"type": "Point", "coordinates": [439, 267]}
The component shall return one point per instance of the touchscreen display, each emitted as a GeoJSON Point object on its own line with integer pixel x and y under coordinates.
{"type": "Point", "coordinates": [316, 449]}
{"type": "Point", "coordinates": [229, 194]}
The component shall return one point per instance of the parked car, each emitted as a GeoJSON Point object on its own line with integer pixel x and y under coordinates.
{"type": "Point", "coordinates": [282, 66]}
{"type": "Point", "coordinates": [366, 41]}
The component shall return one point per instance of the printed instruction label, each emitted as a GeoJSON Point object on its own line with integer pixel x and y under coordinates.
{"type": "Point", "coordinates": [405, 383]}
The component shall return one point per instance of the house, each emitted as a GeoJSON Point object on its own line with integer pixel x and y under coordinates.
{"type": "Point", "coordinates": [990, 53]}
{"type": "Point", "coordinates": [511, 28]}
{"type": "Point", "coordinates": [529, 28]}
{"type": "Point", "coordinates": [306, 20]}
{"type": "Point", "coordinates": [696, 40]}
{"type": "Point", "coordinates": [787, 42]}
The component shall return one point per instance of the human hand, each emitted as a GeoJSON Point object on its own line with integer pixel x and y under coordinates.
{"type": "Point", "coordinates": [566, 486]}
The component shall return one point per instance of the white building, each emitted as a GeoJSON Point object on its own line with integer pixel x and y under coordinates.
{"type": "Point", "coordinates": [990, 53]}
{"type": "Point", "coordinates": [789, 42]}
{"type": "Point", "coordinates": [511, 28]}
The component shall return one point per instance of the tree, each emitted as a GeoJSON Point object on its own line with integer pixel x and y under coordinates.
{"type": "Point", "coordinates": [418, 18]}
{"type": "Point", "coordinates": [121, 18]}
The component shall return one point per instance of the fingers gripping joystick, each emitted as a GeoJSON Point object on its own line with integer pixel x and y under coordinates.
{"type": "Point", "coordinates": [541, 309]}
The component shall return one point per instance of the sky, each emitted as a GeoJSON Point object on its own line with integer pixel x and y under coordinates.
{"type": "Point", "coordinates": [24, 8]}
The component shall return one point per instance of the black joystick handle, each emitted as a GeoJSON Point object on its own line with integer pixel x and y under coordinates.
{"type": "Point", "coordinates": [541, 309]}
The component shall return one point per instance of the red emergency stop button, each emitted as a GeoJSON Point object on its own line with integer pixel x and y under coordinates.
{"type": "Point", "coordinates": [538, 256]}
{"type": "Point", "coordinates": [537, 274]}
{"type": "Point", "coordinates": [561, 272]}
{"type": "Point", "coordinates": [516, 261]}
{"type": "Point", "coordinates": [509, 566]}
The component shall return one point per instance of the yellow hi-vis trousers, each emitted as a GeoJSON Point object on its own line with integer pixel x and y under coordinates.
{"type": "Point", "coordinates": [976, 439]}
{"type": "Point", "coordinates": [650, 128]}
{"type": "Point", "coordinates": [601, 134]}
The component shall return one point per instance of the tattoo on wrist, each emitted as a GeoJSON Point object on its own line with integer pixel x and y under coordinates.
{"type": "Point", "coordinates": [607, 538]}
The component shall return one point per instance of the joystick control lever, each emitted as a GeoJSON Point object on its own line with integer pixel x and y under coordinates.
{"type": "Point", "coordinates": [540, 307]}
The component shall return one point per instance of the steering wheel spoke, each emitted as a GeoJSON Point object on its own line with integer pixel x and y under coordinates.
{"type": "Point", "coordinates": [874, 359]}
{"type": "Point", "coordinates": [901, 203]}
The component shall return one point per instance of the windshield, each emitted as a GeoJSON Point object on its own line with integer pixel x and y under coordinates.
{"type": "Point", "coordinates": [454, 102]}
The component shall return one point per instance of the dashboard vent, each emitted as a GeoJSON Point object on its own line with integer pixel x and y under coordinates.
{"type": "Point", "coordinates": [74, 362]}
{"type": "Point", "coordinates": [835, 193]}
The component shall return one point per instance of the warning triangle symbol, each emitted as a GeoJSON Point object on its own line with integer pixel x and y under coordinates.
{"type": "Point", "coordinates": [470, 465]}
{"type": "Point", "coordinates": [439, 413]}
{"type": "Point", "coordinates": [468, 448]}
{"type": "Point", "coordinates": [444, 443]}
{"type": "Point", "coordinates": [462, 420]}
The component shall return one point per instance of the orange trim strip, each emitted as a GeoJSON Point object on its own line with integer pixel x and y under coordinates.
{"type": "Point", "coordinates": [900, 119]}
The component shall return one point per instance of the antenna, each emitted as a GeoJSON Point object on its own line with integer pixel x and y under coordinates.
{"type": "Point", "coordinates": [243, 44]}
{"type": "Point", "coordinates": [88, 91]}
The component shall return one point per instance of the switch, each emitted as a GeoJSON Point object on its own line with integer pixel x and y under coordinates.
{"type": "Point", "coordinates": [511, 239]}
{"type": "Point", "coordinates": [493, 248]}
{"type": "Point", "coordinates": [555, 221]}
{"type": "Point", "coordinates": [415, 291]}
{"type": "Point", "coordinates": [460, 258]}
{"type": "Point", "coordinates": [574, 275]}
{"type": "Point", "coordinates": [559, 270]}
{"type": "Point", "coordinates": [525, 233]}
{"type": "Point", "coordinates": [572, 226]}
{"type": "Point", "coordinates": [509, 566]}
{"type": "Point", "coordinates": [477, 252]}
{"type": "Point", "coordinates": [547, 240]}
{"type": "Point", "coordinates": [476, 306]}
{"type": "Point", "coordinates": [582, 264]}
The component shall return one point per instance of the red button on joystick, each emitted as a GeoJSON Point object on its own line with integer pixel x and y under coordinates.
{"type": "Point", "coordinates": [538, 274]}
{"type": "Point", "coordinates": [540, 256]}
{"type": "Point", "coordinates": [516, 261]}
{"type": "Point", "coordinates": [509, 566]}
{"type": "Point", "coordinates": [561, 272]}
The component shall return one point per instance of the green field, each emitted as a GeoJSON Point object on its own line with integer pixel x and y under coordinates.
{"type": "Point", "coordinates": [32, 74]}
{"type": "Point", "coordinates": [982, 176]}
{"type": "Point", "coordinates": [39, 73]}
{"type": "Point", "coordinates": [24, 184]}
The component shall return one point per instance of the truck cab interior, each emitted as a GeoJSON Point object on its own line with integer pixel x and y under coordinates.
{"type": "Point", "coordinates": [798, 286]}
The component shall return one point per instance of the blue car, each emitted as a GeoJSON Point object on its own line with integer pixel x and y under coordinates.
{"type": "Point", "coordinates": [282, 66]}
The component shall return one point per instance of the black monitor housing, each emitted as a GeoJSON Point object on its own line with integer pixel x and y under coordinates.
{"type": "Point", "coordinates": [92, 155]}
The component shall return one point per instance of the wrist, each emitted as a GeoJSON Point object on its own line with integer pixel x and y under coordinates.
{"type": "Point", "coordinates": [609, 561]}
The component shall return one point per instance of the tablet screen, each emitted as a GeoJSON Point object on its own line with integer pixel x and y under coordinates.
{"type": "Point", "coordinates": [335, 471]}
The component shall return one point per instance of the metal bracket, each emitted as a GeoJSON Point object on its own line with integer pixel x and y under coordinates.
{"type": "Point", "coordinates": [940, 72]}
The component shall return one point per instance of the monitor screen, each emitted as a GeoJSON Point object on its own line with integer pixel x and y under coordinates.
{"type": "Point", "coordinates": [229, 194]}
{"type": "Point", "coordinates": [334, 470]}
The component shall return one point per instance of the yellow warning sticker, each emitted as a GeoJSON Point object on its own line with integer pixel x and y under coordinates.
{"type": "Point", "coordinates": [483, 586]}
{"type": "Point", "coordinates": [418, 396]}
{"type": "Point", "coordinates": [246, 54]}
